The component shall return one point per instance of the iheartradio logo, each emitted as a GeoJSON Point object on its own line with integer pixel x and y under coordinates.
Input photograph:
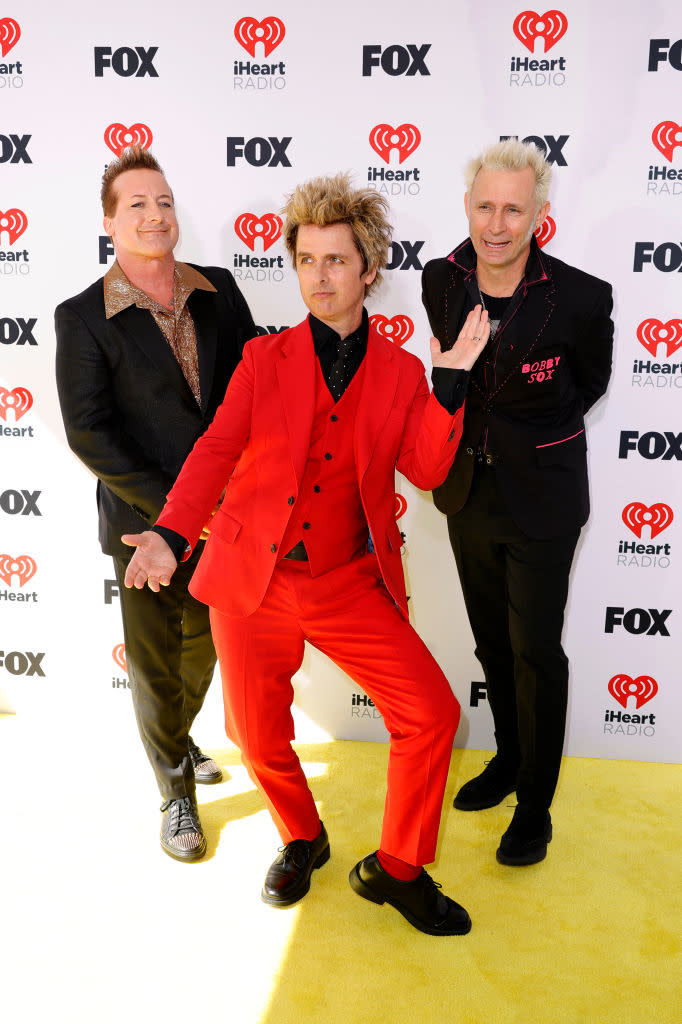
{"type": "Point", "coordinates": [652, 332]}
{"type": "Point", "coordinates": [400, 506]}
{"type": "Point", "coordinates": [19, 400]}
{"type": "Point", "coordinates": [636, 516]}
{"type": "Point", "coordinates": [23, 566]}
{"type": "Point", "coordinates": [405, 138]}
{"type": "Point", "coordinates": [14, 222]}
{"type": "Point", "coordinates": [666, 136]}
{"type": "Point", "coordinates": [550, 27]}
{"type": "Point", "coordinates": [9, 35]}
{"type": "Point", "coordinates": [270, 32]}
{"type": "Point", "coordinates": [119, 656]}
{"type": "Point", "coordinates": [546, 232]}
{"type": "Point", "coordinates": [643, 689]}
{"type": "Point", "coordinates": [398, 329]}
{"type": "Point", "coordinates": [117, 137]}
{"type": "Point", "coordinates": [249, 227]}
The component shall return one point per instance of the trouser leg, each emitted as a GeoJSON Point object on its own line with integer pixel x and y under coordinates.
{"type": "Point", "coordinates": [359, 626]}
{"type": "Point", "coordinates": [537, 580]}
{"type": "Point", "coordinates": [158, 666]}
{"type": "Point", "coordinates": [481, 564]}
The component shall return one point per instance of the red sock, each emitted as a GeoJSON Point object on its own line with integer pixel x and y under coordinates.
{"type": "Point", "coordinates": [399, 869]}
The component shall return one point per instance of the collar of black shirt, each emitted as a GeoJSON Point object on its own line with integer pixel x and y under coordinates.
{"type": "Point", "coordinates": [326, 340]}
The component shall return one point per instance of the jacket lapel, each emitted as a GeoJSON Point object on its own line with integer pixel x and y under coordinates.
{"type": "Point", "coordinates": [296, 376]}
{"type": "Point", "coordinates": [379, 387]}
{"type": "Point", "coordinates": [201, 305]}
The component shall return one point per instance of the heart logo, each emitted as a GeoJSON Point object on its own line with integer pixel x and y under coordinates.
{"type": "Point", "coordinates": [550, 26]}
{"type": "Point", "coordinates": [658, 517]}
{"type": "Point", "coordinates": [399, 329]}
{"type": "Point", "coordinates": [652, 332]}
{"type": "Point", "coordinates": [19, 400]}
{"type": "Point", "coordinates": [22, 566]}
{"type": "Point", "coordinates": [119, 656]}
{"type": "Point", "coordinates": [405, 138]}
{"type": "Point", "coordinates": [665, 138]}
{"type": "Point", "coordinates": [14, 222]}
{"type": "Point", "coordinates": [117, 137]}
{"type": "Point", "coordinates": [9, 35]}
{"type": "Point", "coordinates": [270, 32]}
{"type": "Point", "coordinates": [643, 688]}
{"type": "Point", "coordinates": [249, 227]}
{"type": "Point", "coordinates": [400, 506]}
{"type": "Point", "coordinates": [545, 233]}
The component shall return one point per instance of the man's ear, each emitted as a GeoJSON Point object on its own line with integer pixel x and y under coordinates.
{"type": "Point", "coordinates": [541, 215]}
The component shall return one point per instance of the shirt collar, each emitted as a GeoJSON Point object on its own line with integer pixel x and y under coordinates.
{"type": "Point", "coordinates": [325, 336]}
{"type": "Point", "coordinates": [536, 271]}
{"type": "Point", "coordinates": [120, 292]}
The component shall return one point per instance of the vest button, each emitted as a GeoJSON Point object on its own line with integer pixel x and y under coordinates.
{"type": "Point", "coordinates": [290, 500]}
{"type": "Point", "coordinates": [334, 417]}
{"type": "Point", "coordinates": [470, 451]}
{"type": "Point", "coordinates": [306, 526]}
{"type": "Point", "coordinates": [273, 548]}
{"type": "Point", "coordinates": [317, 488]}
{"type": "Point", "coordinates": [327, 456]}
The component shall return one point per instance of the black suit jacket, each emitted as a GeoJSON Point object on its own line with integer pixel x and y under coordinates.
{"type": "Point", "coordinates": [128, 411]}
{"type": "Point", "coordinates": [549, 362]}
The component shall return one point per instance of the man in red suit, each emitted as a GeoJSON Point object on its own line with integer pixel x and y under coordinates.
{"type": "Point", "coordinates": [305, 545]}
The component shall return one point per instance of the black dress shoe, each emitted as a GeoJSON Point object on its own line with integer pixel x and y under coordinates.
{"type": "Point", "coordinates": [525, 841]}
{"type": "Point", "coordinates": [421, 902]}
{"type": "Point", "coordinates": [488, 789]}
{"type": "Point", "coordinates": [206, 770]}
{"type": "Point", "coordinates": [181, 835]}
{"type": "Point", "coordinates": [288, 878]}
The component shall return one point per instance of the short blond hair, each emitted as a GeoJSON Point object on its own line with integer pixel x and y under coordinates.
{"type": "Point", "coordinates": [333, 200]}
{"type": "Point", "coordinates": [132, 158]}
{"type": "Point", "coordinates": [512, 155]}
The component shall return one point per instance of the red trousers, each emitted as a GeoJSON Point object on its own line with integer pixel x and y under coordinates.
{"type": "Point", "coordinates": [348, 614]}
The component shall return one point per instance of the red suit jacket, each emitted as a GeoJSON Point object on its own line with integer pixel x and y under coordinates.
{"type": "Point", "coordinates": [258, 444]}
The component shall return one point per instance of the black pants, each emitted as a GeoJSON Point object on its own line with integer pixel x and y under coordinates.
{"type": "Point", "coordinates": [515, 591]}
{"type": "Point", "coordinates": [170, 658]}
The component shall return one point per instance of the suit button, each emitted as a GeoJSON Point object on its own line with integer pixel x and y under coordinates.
{"type": "Point", "coordinates": [470, 451]}
{"type": "Point", "coordinates": [290, 500]}
{"type": "Point", "coordinates": [306, 526]}
{"type": "Point", "coordinates": [327, 456]}
{"type": "Point", "coordinates": [334, 417]}
{"type": "Point", "coordinates": [489, 459]}
{"type": "Point", "coordinates": [273, 548]}
{"type": "Point", "coordinates": [317, 488]}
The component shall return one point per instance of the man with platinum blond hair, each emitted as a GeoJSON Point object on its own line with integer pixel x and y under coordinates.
{"type": "Point", "coordinates": [517, 493]}
{"type": "Point", "coordinates": [305, 547]}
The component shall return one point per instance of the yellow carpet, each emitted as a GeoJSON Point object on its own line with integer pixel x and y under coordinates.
{"type": "Point", "coordinates": [100, 926]}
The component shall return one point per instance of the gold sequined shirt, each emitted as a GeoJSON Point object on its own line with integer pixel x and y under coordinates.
{"type": "Point", "coordinates": [176, 324]}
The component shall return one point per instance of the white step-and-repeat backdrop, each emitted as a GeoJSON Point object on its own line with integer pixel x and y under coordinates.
{"type": "Point", "coordinates": [239, 102]}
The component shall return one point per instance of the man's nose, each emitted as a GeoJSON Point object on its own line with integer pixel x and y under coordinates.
{"type": "Point", "coordinates": [496, 223]}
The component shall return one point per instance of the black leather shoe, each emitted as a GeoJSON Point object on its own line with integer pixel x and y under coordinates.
{"type": "Point", "coordinates": [288, 878]}
{"type": "Point", "coordinates": [487, 790]}
{"type": "Point", "coordinates": [525, 841]}
{"type": "Point", "coordinates": [181, 835]}
{"type": "Point", "coordinates": [206, 770]}
{"type": "Point", "coordinates": [421, 902]}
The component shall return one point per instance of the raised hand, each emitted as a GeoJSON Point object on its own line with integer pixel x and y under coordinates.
{"type": "Point", "coordinates": [471, 341]}
{"type": "Point", "coordinates": [153, 563]}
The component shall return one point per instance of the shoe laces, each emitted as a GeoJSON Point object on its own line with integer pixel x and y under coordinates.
{"type": "Point", "coordinates": [297, 852]}
{"type": "Point", "coordinates": [183, 816]}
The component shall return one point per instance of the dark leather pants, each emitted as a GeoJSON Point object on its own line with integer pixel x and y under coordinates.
{"type": "Point", "coordinates": [170, 658]}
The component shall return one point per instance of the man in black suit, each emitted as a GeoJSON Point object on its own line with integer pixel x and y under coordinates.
{"type": "Point", "coordinates": [144, 356]}
{"type": "Point", "coordinates": [517, 494]}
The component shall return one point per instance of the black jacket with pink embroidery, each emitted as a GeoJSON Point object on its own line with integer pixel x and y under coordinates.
{"type": "Point", "coordinates": [549, 362]}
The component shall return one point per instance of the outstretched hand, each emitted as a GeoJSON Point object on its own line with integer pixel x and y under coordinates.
{"type": "Point", "coordinates": [153, 563]}
{"type": "Point", "coordinates": [471, 341]}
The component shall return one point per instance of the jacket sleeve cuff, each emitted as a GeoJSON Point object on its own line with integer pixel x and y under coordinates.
{"type": "Point", "coordinates": [449, 387]}
{"type": "Point", "coordinates": [175, 541]}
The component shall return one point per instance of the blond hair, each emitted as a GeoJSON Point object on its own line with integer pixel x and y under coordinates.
{"type": "Point", "coordinates": [133, 158]}
{"type": "Point", "coordinates": [333, 200]}
{"type": "Point", "coordinates": [512, 155]}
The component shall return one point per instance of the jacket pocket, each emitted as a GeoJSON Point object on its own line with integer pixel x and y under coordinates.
{"type": "Point", "coordinates": [225, 526]}
{"type": "Point", "coordinates": [564, 451]}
